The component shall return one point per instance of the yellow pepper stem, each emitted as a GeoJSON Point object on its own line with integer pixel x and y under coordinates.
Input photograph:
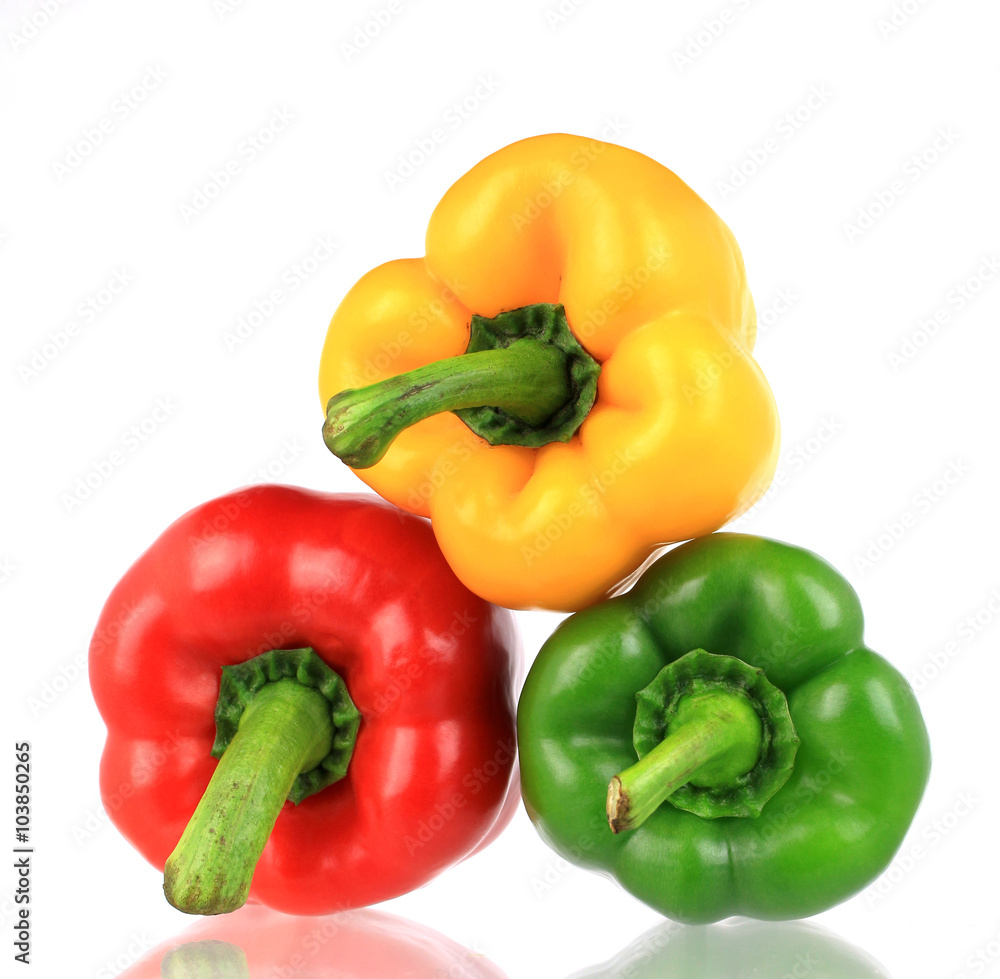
{"type": "Point", "coordinates": [524, 379]}
{"type": "Point", "coordinates": [528, 380]}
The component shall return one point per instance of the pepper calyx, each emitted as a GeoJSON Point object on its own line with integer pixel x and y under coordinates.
{"type": "Point", "coordinates": [545, 323]}
{"type": "Point", "coordinates": [658, 709]}
{"type": "Point", "coordinates": [714, 737]}
{"type": "Point", "coordinates": [243, 681]}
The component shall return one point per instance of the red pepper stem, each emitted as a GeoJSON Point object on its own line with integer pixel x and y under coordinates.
{"type": "Point", "coordinates": [285, 730]}
{"type": "Point", "coordinates": [528, 379]}
{"type": "Point", "coordinates": [715, 740]}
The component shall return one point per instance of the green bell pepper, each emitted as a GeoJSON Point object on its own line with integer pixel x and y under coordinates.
{"type": "Point", "coordinates": [750, 754]}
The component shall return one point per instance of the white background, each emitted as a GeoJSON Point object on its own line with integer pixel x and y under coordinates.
{"type": "Point", "coordinates": [865, 436]}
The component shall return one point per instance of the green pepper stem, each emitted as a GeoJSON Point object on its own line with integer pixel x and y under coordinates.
{"type": "Point", "coordinates": [715, 738]}
{"type": "Point", "coordinates": [207, 959]}
{"type": "Point", "coordinates": [528, 379]}
{"type": "Point", "coordinates": [286, 729]}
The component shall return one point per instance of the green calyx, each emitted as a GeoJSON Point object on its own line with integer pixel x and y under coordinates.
{"type": "Point", "coordinates": [714, 737]}
{"type": "Point", "coordinates": [285, 729]}
{"type": "Point", "coordinates": [241, 684]}
{"type": "Point", "coordinates": [524, 379]}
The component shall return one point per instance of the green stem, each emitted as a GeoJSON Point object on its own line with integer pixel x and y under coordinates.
{"type": "Point", "coordinates": [285, 730]}
{"type": "Point", "coordinates": [714, 738]}
{"type": "Point", "coordinates": [528, 379]}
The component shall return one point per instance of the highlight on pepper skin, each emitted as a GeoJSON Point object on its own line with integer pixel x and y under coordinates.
{"type": "Point", "coordinates": [565, 381]}
{"type": "Point", "coordinates": [292, 685]}
{"type": "Point", "coordinates": [256, 941]}
{"type": "Point", "coordinates": [739, 950]}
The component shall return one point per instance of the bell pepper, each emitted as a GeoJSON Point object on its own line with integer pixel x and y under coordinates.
{"type": "Point", "coordinates": [739, 950]}
{"type": "Point", "coordinates": [299, 692]}
{"type": "Point", "coordinates": [720, 740]}
{"type": "Point", "coordinates": [257, 942]}
{"type": "Point", "coordinates": [564, 382]}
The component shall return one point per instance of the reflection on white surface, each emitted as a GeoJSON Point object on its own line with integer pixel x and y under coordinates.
{"type": "Point", "coordinates": [257, 943]}
{"type": "Point", "coordinates": [208, 959]}
{"type": "Point", "coordinates": [741, 950]}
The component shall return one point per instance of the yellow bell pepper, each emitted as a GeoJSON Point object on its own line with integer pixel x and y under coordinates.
{"type": "Point", "coordinates": [612, 408]}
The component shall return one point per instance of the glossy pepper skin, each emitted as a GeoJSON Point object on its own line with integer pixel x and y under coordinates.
{"type": "Point", "coordinates": [860, 770]}
{"type": "Point", "coordinates": [683, 435]}
{"type": "Point", "coordinates": [430, 667]}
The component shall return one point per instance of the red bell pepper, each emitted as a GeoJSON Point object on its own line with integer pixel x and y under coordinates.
{"type": "Point", "coordinates": [393, 739]}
